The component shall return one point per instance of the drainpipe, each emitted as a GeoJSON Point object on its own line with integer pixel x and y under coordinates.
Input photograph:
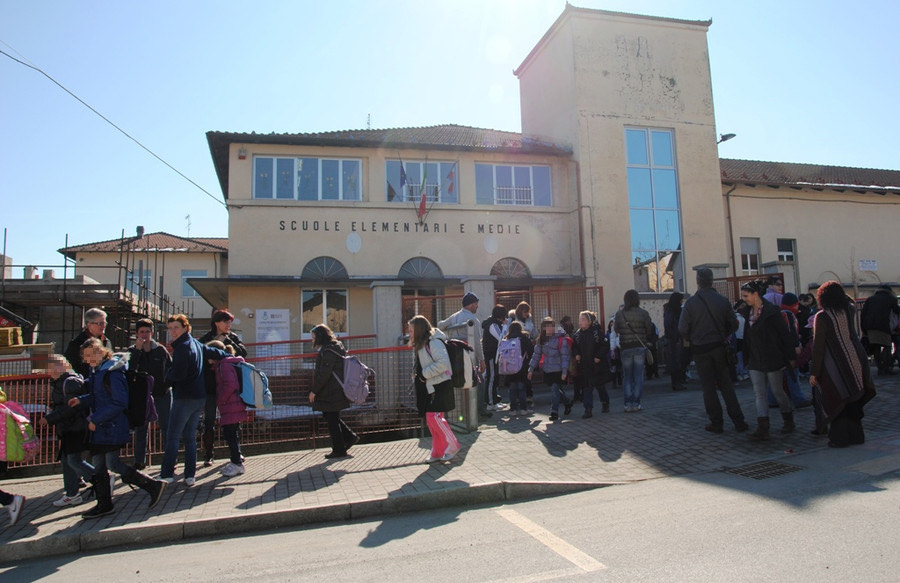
{"type": "Point", "coordinates": [580, 219]}
{"type": "Point", "coordinates": [730, 230]}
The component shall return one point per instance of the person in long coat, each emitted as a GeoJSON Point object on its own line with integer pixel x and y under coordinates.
{"type": "Point", "coordinates": [839, 374]}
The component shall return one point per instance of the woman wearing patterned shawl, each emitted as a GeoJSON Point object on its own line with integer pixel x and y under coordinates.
{"type": "Point", "coordinates": [839, 374]}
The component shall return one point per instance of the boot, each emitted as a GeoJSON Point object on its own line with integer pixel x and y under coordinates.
{"type": "Point", "coordinates": [789, 426]}
{"type": "Point", "coordinates": [588, 413]}
{"type": "Point", "coordinates": [762, 430]}
{"type": "Point", "coordinates": [104, 497]}
{"type": "Point", "coordinates": [153, 487]}
{"type": "Point", "coordinates": [209, 434]}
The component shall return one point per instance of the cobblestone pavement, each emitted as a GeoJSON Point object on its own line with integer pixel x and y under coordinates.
{"type": "Point", "coordinates": [507, 458]}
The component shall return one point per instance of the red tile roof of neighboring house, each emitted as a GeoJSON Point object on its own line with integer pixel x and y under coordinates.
{"type": "Point", "coordinates": [811, 176]}
{"type": "Point", "coordinates": [163, 242]}
{"type": "Point", "coordinates": [449, 137]}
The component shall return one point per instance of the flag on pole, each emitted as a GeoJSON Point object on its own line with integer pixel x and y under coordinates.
{"type": "Point", "coordinates": [450, 177]}
{"type": "Point", "coordinates": [423, 209]}
{"type": "Point", "coordinates": [392, 194]}
{"type": "Point", "coordinates": [403, 182]}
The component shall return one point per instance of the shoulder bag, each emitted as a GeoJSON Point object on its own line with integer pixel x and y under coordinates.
{"type": "Point", "coordinates": [730, 354]}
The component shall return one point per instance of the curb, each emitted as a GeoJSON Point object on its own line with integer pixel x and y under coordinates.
{"type": "Point", "coordinates": [480, 494]}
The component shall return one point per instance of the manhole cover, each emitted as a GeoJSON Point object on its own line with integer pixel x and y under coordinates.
{"type": "Point", "coordinates": [763, 470]}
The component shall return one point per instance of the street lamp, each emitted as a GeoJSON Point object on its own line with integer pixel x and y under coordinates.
{"type": "Point", "coordinates": [725, 137]}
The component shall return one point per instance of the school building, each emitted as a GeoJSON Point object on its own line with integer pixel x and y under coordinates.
{"type": "Point", "coordinates": [614, 182]}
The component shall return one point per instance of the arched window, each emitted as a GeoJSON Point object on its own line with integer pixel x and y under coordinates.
{"type": "Point", "coordinates": [510, 268]}
{"type": "Point", "coordinates": [324, 269]}
{"type": "Point", "coordinates": [420, 268]}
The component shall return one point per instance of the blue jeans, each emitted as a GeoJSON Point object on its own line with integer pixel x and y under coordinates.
{"type": "Point", "coordinates": [518, 399]}
{"type": "Point", "coordinates": [74, 467]}
{"type": "Point", "coordinates": [792, 380]}
{"type": "Point", "coordinates": [183, 423]}
{"type": "Point", "coordinates": [759, 379]}
{"type": "Point", "coordinates": [109, 461]}
{"type": "Point", "coordinates": [557, 390]}
{"type": "Point", "coordinates": [633, 375]}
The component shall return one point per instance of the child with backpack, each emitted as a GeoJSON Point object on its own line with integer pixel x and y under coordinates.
{"type": "Point", "coordinates": [105, 403]}
{"type": "Point", "coordinates": [71, 428]}
{"type": "Point", "coordinates": [552, 354]}
{"type": "Point", "coordinates": [232, 410]}
{"type": "Point", "coordinates": [513, 353]}
{"type": "Point", "coordinates": [327, 395]}
{"type": "Point", "coordinates": [14, 503]}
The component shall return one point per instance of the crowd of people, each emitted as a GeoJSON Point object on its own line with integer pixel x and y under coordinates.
{"type": "Point", "coordinates": [770, 337]}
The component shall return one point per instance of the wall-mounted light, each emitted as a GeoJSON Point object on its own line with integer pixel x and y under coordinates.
{"type": "Point", "coordinates": [725, 137]}
{"type": "Point", "coordinates": [242, 153]}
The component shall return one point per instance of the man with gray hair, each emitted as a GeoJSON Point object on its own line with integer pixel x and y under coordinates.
{"type": "Point", "coordinates": [94, 327]}
{"type": "Point", "coordinates": [706, 321]}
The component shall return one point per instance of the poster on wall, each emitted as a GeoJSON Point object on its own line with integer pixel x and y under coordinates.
{"type": "Point", "coordinates": [273, 326]}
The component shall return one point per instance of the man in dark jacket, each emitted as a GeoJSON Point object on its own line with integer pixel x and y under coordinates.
{"type": "Point", "coordinates": [876, 326]}
{"type": "Point", "coordinates": [94, 327]}
{"type": "Point", "coordinates": [706, 321]}
{"type": "Point", "coordinates": [152, 358]}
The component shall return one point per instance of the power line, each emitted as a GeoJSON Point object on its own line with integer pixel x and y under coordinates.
{"type": "Point", "coordinates": [107, 120]}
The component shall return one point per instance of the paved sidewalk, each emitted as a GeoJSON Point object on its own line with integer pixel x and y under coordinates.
{"type": "Point", "coordinates": [508, 459]}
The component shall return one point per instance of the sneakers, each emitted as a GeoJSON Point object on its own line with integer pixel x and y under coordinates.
{"type": "Point", "coordinates": [68, 501]}
{"type": "Point", "coordinates": [629, 409]}
{"type": "Point", "coordinates": [232, 469]}
{"type": "Point", "coordinates": [168, 480]}
{"type": "Point", "coordinates": [449, 456]}
{"type": "Point", "coordinates": [207, 462]}
{"type": "Point", "coordinates": [190, 481]}
{"type": "Point", "coordinates": [15, 509]}
{"type": "Point", "coordinates": [431, 459]}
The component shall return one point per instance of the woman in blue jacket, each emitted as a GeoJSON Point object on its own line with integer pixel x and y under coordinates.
{"type": "Point", "coordinates": [106, 402]}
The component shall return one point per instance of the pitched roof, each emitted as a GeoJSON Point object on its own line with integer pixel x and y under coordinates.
{"type": "Point", "coordinates": [814, 176]}
{"type": "Point", "coordinates": [163, 242]}
{"type": "Point", "coordinates": [448, 137]}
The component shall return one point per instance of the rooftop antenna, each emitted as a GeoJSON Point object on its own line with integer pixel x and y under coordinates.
{"type": "Point", "coordinates": [188, 219]}
{"type": "Point", "coordinates": [368, 121]}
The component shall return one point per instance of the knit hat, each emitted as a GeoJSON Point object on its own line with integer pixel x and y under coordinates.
{"type": "Point", "coordinates": [790, 299]}
{"type": "Point", "coordinates": [469, 298]}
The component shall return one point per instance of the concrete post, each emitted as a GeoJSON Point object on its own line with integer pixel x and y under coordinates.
{"type": "Point", "coordinates": [387, 310]}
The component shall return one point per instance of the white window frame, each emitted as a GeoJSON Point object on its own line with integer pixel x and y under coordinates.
{"type": "Point", "coordinates": [319, 160]}
{"type": "Point", "coordinates": [786, 256]}
{"type": "Point", "coordinates": [303, 323]}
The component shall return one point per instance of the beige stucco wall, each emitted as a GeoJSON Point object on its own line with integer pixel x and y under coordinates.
{"type": "Point", "coordinates": [373, 238]}
{"type": "Point", "coordinates": [631, 71]}
{"type": "Point", "coordinates": [833, 231]}
{"type": "Point", "coordinates": [103, 267]}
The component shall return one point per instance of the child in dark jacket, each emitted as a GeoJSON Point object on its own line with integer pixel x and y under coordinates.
{"type": "Point", "coordinates": [71, 428]}
{"type": "Point", "coordinates": [552, 346]}
{"type": "Point", "coordinates": [232, 410]}
{"type": "Point", "coordinates": [591, 350]}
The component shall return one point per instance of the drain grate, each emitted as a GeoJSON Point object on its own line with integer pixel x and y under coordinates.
{"type": "Point", "coordinates": [763, 470]}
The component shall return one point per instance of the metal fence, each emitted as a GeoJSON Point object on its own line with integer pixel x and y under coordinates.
{"type": "Point", "coordinates": [290, 423]}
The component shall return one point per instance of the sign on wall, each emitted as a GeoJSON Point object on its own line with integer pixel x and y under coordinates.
{"type": "Point", "coordinates": [868, 265]}
{"type": "Point", "coordinates": [273, 326]}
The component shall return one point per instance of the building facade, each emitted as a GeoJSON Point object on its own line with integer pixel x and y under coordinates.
{"type": "Point", "coordinates": [615, 181]}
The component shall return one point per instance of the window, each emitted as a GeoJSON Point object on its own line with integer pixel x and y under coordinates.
{"type": "Point", "coordinates": [406, 183]}
{"type": "Point", "coordinates": [139, 280]}
{"type": "Point", "coordinates": [654, 209]}
{"type": "Point", "coordinates": [786, 250]}
{"type": "Point", "coordinates": [307, 179]}
{"type": "Point", "coordinates": [186, 290]}
{"type": "Point", "coordinates": [324, 269]}
{"type": "Point", "coordinates": [324, 306]}
{"type": "Point", "coordinates": [749, 256]}
{"type": "Point", "coordinates": [513, 185]}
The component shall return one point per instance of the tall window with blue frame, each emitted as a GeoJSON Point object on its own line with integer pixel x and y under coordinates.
{"type": "Point", "coordinates": [654, 210]}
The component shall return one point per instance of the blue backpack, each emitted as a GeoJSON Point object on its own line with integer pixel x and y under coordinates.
{"type": "Point", "coordinates": [254, 386]}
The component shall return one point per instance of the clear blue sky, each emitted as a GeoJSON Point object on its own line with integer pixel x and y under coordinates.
{"type": "Point", "coordinates": [797, 81]}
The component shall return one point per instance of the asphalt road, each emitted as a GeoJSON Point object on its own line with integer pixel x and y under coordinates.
{"type": "Point", "coordinates": [834, 519]}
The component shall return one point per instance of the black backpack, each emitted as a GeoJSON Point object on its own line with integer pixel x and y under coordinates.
{"type": "Point", "coordinates": [141, 408]}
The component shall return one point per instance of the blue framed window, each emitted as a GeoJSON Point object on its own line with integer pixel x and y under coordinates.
{"type": "Point", "coordinates": [307, 178]}
{"type": "Point", "coordinates": [654, 209]}
{"type": "Point", "coordinates": [441, 181]}
{"type": "Point", "coordinates": [517, 185]}
{"type": "Point", "coordinates": [186, 290]}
